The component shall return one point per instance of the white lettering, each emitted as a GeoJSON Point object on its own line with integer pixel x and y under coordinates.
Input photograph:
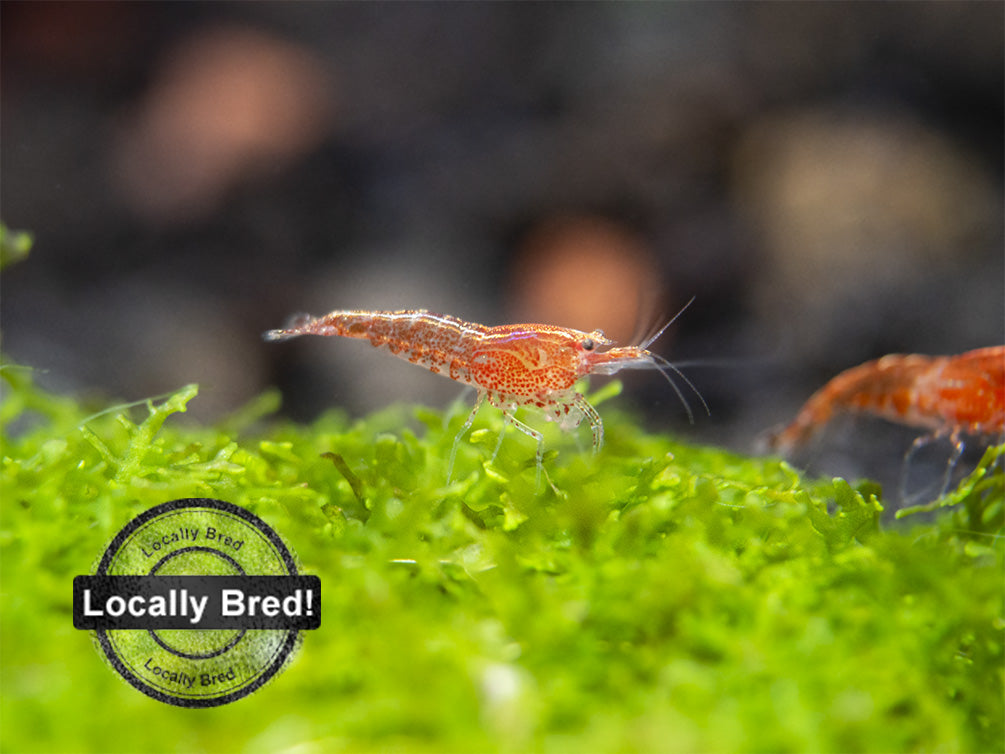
{"type": "Point", "coordinates": [158, 606]}
{"type": "Point", "coordinates": [236, 603]}
{"type": "Point", "coordinates": [176, 603]}
{"type": "Point", "coordinates": [87, 604]}
{"type": "Point", "coordinates": [198, 608]}
{"type": "Point", "coordinates": [233, 601]}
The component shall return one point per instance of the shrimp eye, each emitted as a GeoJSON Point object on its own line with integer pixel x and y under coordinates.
{"type": "Point", "coordinates": [588, 344]}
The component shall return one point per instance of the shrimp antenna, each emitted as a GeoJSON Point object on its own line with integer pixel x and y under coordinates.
{"type": "Point", "coordinates": [662, 364]}
{"type": "Point", "coordinates": [648, 301]}
{"type": "Point", "coordinates": [652, 338]}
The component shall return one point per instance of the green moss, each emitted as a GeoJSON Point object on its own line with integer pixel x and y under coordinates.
{"type": "Point", "coordinates": [659, 597]}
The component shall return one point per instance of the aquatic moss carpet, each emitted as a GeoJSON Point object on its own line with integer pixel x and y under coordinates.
{"type": "Point", "coordinates": [657, 597]}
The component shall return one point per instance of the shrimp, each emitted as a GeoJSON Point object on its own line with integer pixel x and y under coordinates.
{"type": "Point", "coordinates": [949, 396]}
{"type": "Point", "coordinates": [509, 365]}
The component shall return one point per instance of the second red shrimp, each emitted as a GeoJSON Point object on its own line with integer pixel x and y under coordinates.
{"type": "Point", "coordinates": [509, 365]}
{"type": "Point", "coordinates": [946, 395]}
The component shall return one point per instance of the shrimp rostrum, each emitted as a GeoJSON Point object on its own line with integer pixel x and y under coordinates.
{"type": "Point", "coordinates": [509, 365]}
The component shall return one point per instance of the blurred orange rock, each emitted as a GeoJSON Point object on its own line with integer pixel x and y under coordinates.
{"type": "Point", "coordinates": [585, 272]}
{"type": "Point", "coordinates": [227, 105]}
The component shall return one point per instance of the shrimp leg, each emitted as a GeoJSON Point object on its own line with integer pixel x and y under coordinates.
{"type": "Point", "coordinates": [464, 428]}
{"type": "Point", "coordinates": [596, 424]}
{"type": "Point", "coordinates": [921, 441]}
{"type": "Point", "coordinates": [510, 418]}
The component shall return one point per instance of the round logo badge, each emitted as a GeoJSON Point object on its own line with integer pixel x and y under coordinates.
{"type": "Point", "coordinates": [197, 602]}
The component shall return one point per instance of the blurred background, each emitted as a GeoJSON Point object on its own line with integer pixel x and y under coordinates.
{"type": "Point", "coordinates": [825, 179]}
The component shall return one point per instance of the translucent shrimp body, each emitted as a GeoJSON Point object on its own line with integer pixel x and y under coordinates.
{"type": "Point", "coordinates": [946, 395]}
{"type": "Point", "coordinates": [509, 365]}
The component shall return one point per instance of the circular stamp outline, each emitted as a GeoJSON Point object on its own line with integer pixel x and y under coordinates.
{"type": "Point", "coordinates": [164, 645]}
{"type": "Point", "coordinates": [277, 662]}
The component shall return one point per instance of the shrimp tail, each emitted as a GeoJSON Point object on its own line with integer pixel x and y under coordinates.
{"type": "Point", "coordinates": [296, 325]}
{"type": "Point", "coordinates": [378, 327]}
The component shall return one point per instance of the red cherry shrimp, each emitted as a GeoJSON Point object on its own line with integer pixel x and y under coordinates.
{"type": "Point", "coordinates": [949, 396]}
{"type": "Point", "coordinates": [509, 365]}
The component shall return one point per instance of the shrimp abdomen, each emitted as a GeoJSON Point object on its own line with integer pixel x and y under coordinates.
{"type": "Point", "coordinates": [439, 342]}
